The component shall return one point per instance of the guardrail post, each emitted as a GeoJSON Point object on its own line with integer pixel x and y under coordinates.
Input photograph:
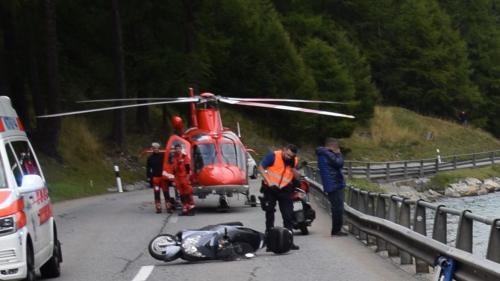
{"type": "Point", "coordinates": [370, 210]}
{"type": "Point", "coordinates": [404, 220]}
{"type": "Point", "coordinates": [406, 169]}
{"type": "Point", "coordinates": [492, 157]}
{"type": "Point", "coordinates": [437, 166]}
{"type": "Point", "coordinates": [493, 253]}
{"type": "Point", "coordinates": [439, 231]}
{"type": "Point", "coordinates": [454, 162]}
{"type": "Point", "coordinates": [381, 244]}
{"type": "Point", "coordinates": [349, 170]}
{"type": "Point", "coordinates": [421, 168]}
{"type": "Point", "coordinates": [392, 250]}
{"type": "Point", "coordinates": [464, 233]}
{"type": "Point", "coordinates": [355, 204]}
{"type": "Point", "coordinates": [351, 197]}
{"type": "Point", "coordinates": [368, 171]}
{"type": "Point", "coordinates": [361, 202]}
{"type": "Point", "coordinates": [419, 226]}
{"type": "Point", "coordinates": [474, 160]}
{"type": "Point", "coordinates": [371, 204]}
{"type": "Point", "coordinates": [363, 208]}
{"type": "Point", "coordinates": [387, 171]}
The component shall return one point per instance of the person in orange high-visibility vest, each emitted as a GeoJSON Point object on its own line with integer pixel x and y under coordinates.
{"type": "Point", "coordinates": [181, 168]}
{"type": "Point", "coordinates": [278, 170]}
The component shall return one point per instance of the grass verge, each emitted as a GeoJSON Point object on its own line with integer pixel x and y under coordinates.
{"type": "Point", "coordinates": [85, 169]}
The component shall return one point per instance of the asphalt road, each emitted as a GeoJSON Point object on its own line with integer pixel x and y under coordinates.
{"type": "Point", "coordinates": [105, 238]}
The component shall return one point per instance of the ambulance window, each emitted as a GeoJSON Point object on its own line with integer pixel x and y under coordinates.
{"type": "Point", "coordinates": [25, 158]}
{"type": "Point", "coordinates": [3, 182]}
{"type": "Point", "coordinates": [14, 166]}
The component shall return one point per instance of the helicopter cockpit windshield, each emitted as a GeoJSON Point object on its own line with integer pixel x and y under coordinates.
{"type": "Point", "coordinates": [231, 151]}
{"type": "Point", "coordinates": [203, 154]}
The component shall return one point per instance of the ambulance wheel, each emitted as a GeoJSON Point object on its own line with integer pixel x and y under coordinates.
{"type": "Point", "coordinates": [52, 268]}
{"type": "Point", "coordinates": [30, 264]}
{"type": "Point", "coordinates": [304, 230]}
{"type": "Point", "coordinates": [253, 201]}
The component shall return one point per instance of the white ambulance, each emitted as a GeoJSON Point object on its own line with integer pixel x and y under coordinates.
{"type": "Point", "coordinates": [28, 233]}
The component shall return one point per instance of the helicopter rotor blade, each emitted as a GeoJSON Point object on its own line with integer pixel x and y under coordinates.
{"type": "Point", "coordinates": [281, 100]}
{"type": "Point", "coordinates": [184, 100]}
{"type": "Point", "coordinates": [133, 99]}
{"type": "Point", "coordinates": [285, 107]}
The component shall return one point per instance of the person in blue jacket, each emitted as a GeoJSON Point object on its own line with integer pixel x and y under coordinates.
{"type": "Point", "coordinates": [330, 163]}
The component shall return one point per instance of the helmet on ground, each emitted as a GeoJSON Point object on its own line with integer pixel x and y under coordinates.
{"type": "Point", "coordinates": [279, 240]}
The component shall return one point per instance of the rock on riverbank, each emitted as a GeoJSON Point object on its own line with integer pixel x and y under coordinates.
{"type": "Point", "coordinates": [472, 187]}
{"type": "Point", "coordinates": [419, 189]}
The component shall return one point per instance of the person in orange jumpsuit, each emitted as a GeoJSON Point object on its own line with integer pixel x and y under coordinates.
{"type": "Point", "coordinates": [181, 169]}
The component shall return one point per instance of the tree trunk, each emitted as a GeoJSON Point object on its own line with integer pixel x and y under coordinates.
{"type": "Point", "coordinates": [13, 53]}
{"type": "Point", "coordinates": [188, 26]}
{"type": "Point", "coordinates": [31, 28]}
{"type": "Point", "coordinates": [119, 118]}
{"type": "Point", "coordinates": [51, 127]}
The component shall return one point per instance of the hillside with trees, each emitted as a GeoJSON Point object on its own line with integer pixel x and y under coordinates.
{"type": "Point", "coordinates": [435, 57]}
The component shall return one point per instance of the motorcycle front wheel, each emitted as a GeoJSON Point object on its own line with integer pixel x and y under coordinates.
{"type": "Point", "coordinates": [165, 247]}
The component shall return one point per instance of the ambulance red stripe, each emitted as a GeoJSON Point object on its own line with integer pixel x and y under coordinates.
{"type": "Point", "coordinates": [13, 208]}
{"type": "Point", "coordinates": [45, 213]}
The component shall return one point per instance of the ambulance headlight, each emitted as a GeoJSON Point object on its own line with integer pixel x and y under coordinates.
{"type": "Point", "coordinates": [7, 225]}
{"type": "Point", "coordinates": [12, 223]}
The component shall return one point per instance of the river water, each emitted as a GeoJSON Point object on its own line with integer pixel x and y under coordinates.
{"type": "Point", "coordinates": [484, 205]}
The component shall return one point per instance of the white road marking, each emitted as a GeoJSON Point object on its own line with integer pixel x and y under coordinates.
{"type": "Point", "coordinates": [143, 273]}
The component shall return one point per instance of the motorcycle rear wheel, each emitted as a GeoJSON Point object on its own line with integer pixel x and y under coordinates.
{"type": "Point", "coordinates": [158, 247]}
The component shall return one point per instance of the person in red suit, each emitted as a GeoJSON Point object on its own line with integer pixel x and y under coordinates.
{"type": "Point", "coordinates": [181, 169]}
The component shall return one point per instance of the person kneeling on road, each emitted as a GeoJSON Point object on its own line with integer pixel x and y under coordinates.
{"type": "Point", "coordinates": [278, 169]}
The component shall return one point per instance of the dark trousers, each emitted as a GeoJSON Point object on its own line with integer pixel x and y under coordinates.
{"type": "Point", "coordinates": [284, 198]}
{"type": "Point", "coordinates": [336, 199]}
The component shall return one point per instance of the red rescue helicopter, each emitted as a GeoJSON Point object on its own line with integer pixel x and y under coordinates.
{"type": "Point", "coordinates": [219, 158]}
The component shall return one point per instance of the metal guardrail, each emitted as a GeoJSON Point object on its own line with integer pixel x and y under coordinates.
{"type": "Point", "coordinates": [411, 168]}
{"type": "Point", "coordinates": [385, 220]}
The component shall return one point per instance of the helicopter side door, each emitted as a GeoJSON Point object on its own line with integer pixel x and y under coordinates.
{"type": "Point", "coordinates": [168, 159]}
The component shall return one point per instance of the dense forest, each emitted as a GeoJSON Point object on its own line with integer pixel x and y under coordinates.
{"type": "Point", "coordinates": [436, 57]}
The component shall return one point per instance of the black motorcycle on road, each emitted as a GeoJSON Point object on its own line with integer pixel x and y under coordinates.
{"type": "Point", "coordinates": [227, 241]}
